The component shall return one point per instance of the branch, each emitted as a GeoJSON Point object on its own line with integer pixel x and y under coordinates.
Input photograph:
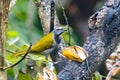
{"type": "Point", "coordinates": [44, 8]}
{"type": "Point", "coordinates": [52, 15]}
{"type": "Point", "coordinates": [21, 58]}
{"type": "Point", "coordinates": [44, 14]}
{"type": "Point", "coordinates": [104, 35]}
{"type": "Point", "coordinates": [4, 5]}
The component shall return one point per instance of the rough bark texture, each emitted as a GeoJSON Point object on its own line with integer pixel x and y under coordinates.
{"type": "Point", "coordinates": [3, 25]}
{"type": "Point", "coordinates": [44, 10]}
{"type": "Point", "coordinates": [104, 31]}
{"type": "Point", "coordinates": [104, 35]}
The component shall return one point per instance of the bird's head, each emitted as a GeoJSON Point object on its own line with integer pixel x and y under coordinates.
{"type": "Point", "coordinates": [58, 31]}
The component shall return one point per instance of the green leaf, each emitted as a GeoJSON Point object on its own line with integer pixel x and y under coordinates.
{"type": "Point", "coordinates": [10, 73]}
{"type": "Point", "coordinates": [11, 34]}
{"type": "Point", "coordinates": [23, 76]}
{"type": "Point", "coordinates": [97, 76]}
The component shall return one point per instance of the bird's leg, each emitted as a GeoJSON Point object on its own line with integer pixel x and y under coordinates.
{"type": "Point", "coordinates": [47, 57]}
{"type": "Point", "coordinates": [59, 53]}
{"type": "Point", "coordinates": [60, 47]}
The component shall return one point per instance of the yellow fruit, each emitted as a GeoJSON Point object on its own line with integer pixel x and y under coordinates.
{"type": "Point", "coordinates": [75, 53]}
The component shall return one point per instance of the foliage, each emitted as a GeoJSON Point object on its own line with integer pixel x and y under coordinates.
{"type": "Point", "coordinates": [24, 27]}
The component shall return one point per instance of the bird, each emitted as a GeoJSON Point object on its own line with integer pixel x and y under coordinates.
{"type": "Point", "coordinates": [75, 53]}
{"type": "Point", "coordinates": [46, 44]}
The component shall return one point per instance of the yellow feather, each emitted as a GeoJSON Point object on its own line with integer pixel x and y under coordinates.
{"type": "Point", "coordinates": [45, 43]}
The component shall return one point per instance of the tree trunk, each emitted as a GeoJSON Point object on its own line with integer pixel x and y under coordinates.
{"type": "Point", "coordinates": [3, 26]}
{"type": "Point", "coordinates": [44, 10]}
{"type": "Point", "coordinates": [104, 35]}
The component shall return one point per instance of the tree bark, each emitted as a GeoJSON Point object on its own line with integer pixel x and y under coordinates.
{"type": "Point", "coordinates": [4, 6]}
{"type": "Point", "coordinates": [104, 31]}
{"type": "Point", "coordinates": [44, 11]}
{"type": "Point", "coordinates": [104, 35]}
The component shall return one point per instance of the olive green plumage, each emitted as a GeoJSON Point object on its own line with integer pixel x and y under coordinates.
{"type": "Point", "coordinates": [49, 41]}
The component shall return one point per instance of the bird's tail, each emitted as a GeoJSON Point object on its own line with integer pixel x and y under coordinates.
{"type": "Point", "coordinates": [19, 53]}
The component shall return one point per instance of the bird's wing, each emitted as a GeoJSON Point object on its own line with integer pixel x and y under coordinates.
{"type": "Point", "coordinates": [45, 43]}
